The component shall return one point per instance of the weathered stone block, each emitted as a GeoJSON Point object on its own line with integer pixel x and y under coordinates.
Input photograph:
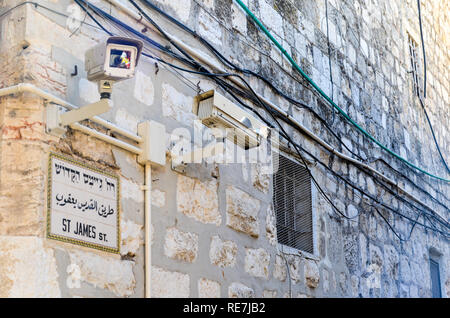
{"type": "Point", "coordinates": [126, 120]}
{"type": "Point", "coordinates": [181, 7]}
{"type": "Point", "coordinates": [257, 262]}
{"type": "Point", "coordinates": [260, 180]}
{"type": "Point", "coordinates": [295, 263]}
{"type": "Point", "coordinates": [27, 268]}
{"type": "Point", "coordinates": [158, 198]}
{"type": "Point", "coordinates": [392, 262]}
{"type": "Point", "coordinates": [180, 245]}
{"type": "Point", "coordinates": [238, 290]}
{"type": "Point", "coordinates": [238, 19]}
{"type": "Point", "coordinates": [271, 229]}
{"type": "Point", "coordinates": [198, 200]}
{"type": "Point", "coordinates": [280, 268]}
{"type": "Point", "coordinates": [242, 211]}
{"type": "Point", "coordinates": [166, 284]}
{"type": "Point", "coordinates": [131, 237]}
{"type": "Point", "coordinates": [312, 276]}
{"type": "Point", "coordinates": [177, 105]}
{"type": "Point", "coordinates": [92, 148]}
{"type": "Point", "coordinates": [269, 294]}
{"type": "Point", "coordinates": [271, 18]}
{"type": "Point", "coordinates": [143, 89]}
{"type": "Point", "coordinates": [131, 190]}
{"type": "Point", "coordinates": [105, 272]}
{"type": "Point", "coordinates": [208, 288]}
{"type": "Point", "coordinates": [222, 253]}
{"type": "Point", "coordinates": [209, 28]}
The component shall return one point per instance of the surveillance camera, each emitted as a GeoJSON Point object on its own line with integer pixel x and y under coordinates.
{"type": "Point", "coordinates": [114, 60]}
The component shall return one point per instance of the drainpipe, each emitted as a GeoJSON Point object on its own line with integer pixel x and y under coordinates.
{"type": "Point", "coordinates": [147, 223]}
{"type": "Point", "coordinates": [211, 63]}
{"type": "Point", "coordinates": [144, 143]}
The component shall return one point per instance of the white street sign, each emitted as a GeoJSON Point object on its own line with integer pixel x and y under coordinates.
{"type": "Point", "coordinates": [83, 205]}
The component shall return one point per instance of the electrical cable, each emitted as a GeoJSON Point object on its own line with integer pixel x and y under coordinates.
{"type": "Point", "coordinates": [212, 74]}
{"type": "Point", "coordinates": [296, 146]}
{"type": "Point", "coordinates": [38, 5]}
{"type": "Point", "coordinates": [90, 16]}
{"type": "Point", "coordinates": [415, 221]}
{"type": "Point", "coordinates": [246, 71]}
{"type": "Point", "coordinates": [225, 75]}
{"type": "Point", "coordinates": [229, 74]}
{"type": "Point", "coordinates": [413, 183]}
{"type": "Point", "coordinates": [329, 60]}
{"type": "Point", "coordinates": [284, 133]}
{"type": "Point", "coordinates": [432, 133]}
{"type": "Point", "coordinates": [423, 51]}
{"type": "Point", "coordinates": [422, 103]}
{"type": "Point", "coordinates": [357, 188]}
{"type": "Point", "coordinates": [327, 98]}
{"type": "Point", "coordinates": [201, 68]}
{"type": "Point", "coordinates": [329, 50]}
{"type": "Point", "coordinates": [225, 61]}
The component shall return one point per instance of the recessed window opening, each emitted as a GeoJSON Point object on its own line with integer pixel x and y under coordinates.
{"type": "Point", "coordinates": [293, 205]}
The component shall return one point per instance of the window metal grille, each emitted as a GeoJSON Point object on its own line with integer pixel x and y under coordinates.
{"type": "Point", "coordinates": [415, 66]}
{"type": "Point", "coordinates": [435, 279]}
{"type": "Point", "coordinates": [293, 205]}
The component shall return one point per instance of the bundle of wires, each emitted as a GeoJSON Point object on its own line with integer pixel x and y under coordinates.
{"type": "Point", "coordinates": [435, 222]}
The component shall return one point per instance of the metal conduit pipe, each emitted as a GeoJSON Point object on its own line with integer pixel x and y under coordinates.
{"type": "Point", "coordinates": [26, 87]}
{"type": "Point", "coordinates": [147, 224]}
{"type": "Point", "coordinates": [111, 140]}
{"type": "Point", "coordinates": [106, 138]}
{"type": "Point", "coordinates": [207, 60]}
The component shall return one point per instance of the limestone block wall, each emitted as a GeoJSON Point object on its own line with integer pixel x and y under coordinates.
{"type": "Point", "coordinates": [213, 230]}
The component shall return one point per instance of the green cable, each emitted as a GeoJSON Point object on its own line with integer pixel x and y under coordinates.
{"type": "Point", "coordinates": [295, 65]}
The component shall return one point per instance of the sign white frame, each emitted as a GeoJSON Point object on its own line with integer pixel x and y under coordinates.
{"type": "Point", "coordinates": [94, 215]}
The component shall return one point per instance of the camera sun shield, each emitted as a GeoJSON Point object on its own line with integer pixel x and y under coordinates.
{"type": "Point", "coordinates": [114, 60]}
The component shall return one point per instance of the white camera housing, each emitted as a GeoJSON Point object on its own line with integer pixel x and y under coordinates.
{"type": "Point", "coordinates": [114, 60]}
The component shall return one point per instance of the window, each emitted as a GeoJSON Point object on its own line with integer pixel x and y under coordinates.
{"type": "Point", "coordinates": [293, 205]}
{"type": "Point", "coordinates": [435, 279]}
{"type": "Point", "coordinates": [415, 66]}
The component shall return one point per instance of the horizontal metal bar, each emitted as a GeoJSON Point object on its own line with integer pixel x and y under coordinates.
{"type": "Point", "coordinates": [26, 87]}
{"type": "Point", "coordinates": [106, 138]}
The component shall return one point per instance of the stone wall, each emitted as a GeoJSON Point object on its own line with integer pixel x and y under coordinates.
{"type": "Point", "coordinates": [213, 231]}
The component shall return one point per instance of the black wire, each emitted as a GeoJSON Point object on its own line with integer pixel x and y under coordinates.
{"type": "Point", "coordinates": [432, 133]}
{"type": "Point", "coordinates": [268, 109]}
{"type": "Point", "coordinates": [329, 51]}
{"type": "Point", "coordinates": [235, 67]}
{"type": "Point", "coordinates": [204, 71]}
{"type": "Point", "coordinates": [246, 71]}
{"type": "Point", "coordinates": [304, 162]}
{"type": "Point", "coordinates": [412, 182]}
{"type": "Point", "coordinates": [423, 51]}
{"type": "Point", "coordinates": [349, 183]}
{"type": "Point", "coordinates": [90, 16]}
{"type": "Point", "coordinates": [289, 139]}
{"type": "Point", "coordinates": [278, 115]}
{"type": "Point", "coordinates": [425, 88]}
{"type": "Point", "coordinates": [221, 57]}
{"type": "Point", "coordinates": [415, 222]}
